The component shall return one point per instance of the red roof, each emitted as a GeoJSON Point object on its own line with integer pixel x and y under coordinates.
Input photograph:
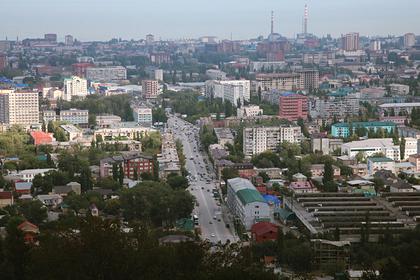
{"type": "Point", "coordinates": [41, 138]}
{"type": "Point", "coordinates": [263, 228]}
{"type": "Point", "coordinates": [28, 227]}
{"type": "Point", "coordinates": [6, 195]}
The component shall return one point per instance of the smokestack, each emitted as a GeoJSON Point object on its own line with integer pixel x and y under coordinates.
{"type": "Point", "coordinates": [305, 22]}
{"type": "Point", "coordinates": [272, 22]}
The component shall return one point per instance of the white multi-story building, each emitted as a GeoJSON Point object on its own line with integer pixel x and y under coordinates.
{"type": "Point", "coordinates": [104, 121]}
{"type": "Point", "coordinates": [75, 116]}
{"type": "Point", "coordinates": [260, 139]}
{"type": "Point", "coordinates": [246, 203]}
{"type": "Point", "coordinates": [249, 111]}
{"type": "Point", "coordinates": [399, 89]}
{"type": "Point", "coordinates": [409, 40]}
{"type": "Point", "coordinates": [158, 75]}
{"type": "Point", "coordinates": [143, 115]}
{"type": "Point", "coordinates": [411, 147]}
{"type": "Point", "coordinates": [375, 164]}
{"type": "Point", "coordinates": [106, 74]}
{"type": "Point", "coordinates": [75, 87]}
{"type": "Point", "coordinates": [215, 74]}
{"type": "Point", "coordinates": [235, 91]}
{"type": "Point", "coordinates": [371, 147]}
{"type": "Point", "coordinates": [21, 108]}
{"type": "Point", "coordinates": [129, 130]}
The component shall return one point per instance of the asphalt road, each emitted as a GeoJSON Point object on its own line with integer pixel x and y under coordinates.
{"type": "Point", "coordinates": [202, 181]}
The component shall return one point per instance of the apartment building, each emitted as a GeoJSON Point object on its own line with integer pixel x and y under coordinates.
{"type": "Point", "coordinates": [293, 106]}
{"type": "Point", "coordinates": [75, 87]}
{"type": "Point", "coordinates": [143, 116]}
{"type": "Point", "coordinates": [260, 139]}
{"type": "Point", "coordinates": [350, 42]}
{"type": "Point", "coordinates": [339, 107]}
{"type": "Point", "coordinates": [234, 91]}
{"type": "Point", "coordinates": [129, 130]}
{"type": "Point", "coordinates": [305, 79]}
{"type": "Point", "coordinates": [106, 74]}
{"type": "Point", "coordinates": [75, 116]}
{"type": "Point", "coordinates": [168, 159]}
{"type": "Point", "coordinates": [150, 88]}
{"type": "Point", "coordinates": [133, 164]}
{"type": "Point", "coordinates": [20, 108]}
{"type": "Point", "coordinates": [104, 121]}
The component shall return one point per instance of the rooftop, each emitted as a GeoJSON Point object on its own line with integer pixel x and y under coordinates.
{"type": "Point", "coordinates": [247, 196]}
{"type": "Point", "coordinates": [364, 124]}
{"type": "Point", "coordinates": [395, 105]}
{"type": "Point", "coordinates": [380, 159]}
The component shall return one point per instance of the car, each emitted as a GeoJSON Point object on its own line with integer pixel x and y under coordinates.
{"type": "Point", "coordinates": [213, 235]}
{"type": "Point", "coordinates": [210, 222]}
{"type": "Point", "coordinates": [219, 220]}
{"type": "Point", "coordinates": [208, 190]}
{"type": "Point", "coordinates": [202, 188]}
{"type": "Point", "coordinates": [214, 218]}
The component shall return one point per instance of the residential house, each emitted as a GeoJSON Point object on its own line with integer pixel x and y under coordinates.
{"type": "Point", "coordinates": [264, 231]}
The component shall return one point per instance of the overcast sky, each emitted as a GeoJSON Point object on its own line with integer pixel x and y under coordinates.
{"type": "Point", "coordinates": [172, 19]}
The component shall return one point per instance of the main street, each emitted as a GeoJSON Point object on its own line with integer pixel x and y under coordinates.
{"type": "Point", "coordinates": [202, 183]}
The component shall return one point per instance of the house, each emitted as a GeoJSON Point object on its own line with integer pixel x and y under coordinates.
{"type": "Point", "coordinates": [264, 231]}
{"type": "Point", "coordinates": [380, 163]}
{"type": "Point", "coordinates": [65, 190]}
{"type": "Point", "coordinates": [6, 198]}
{"type": "Point", "coordinates": [41, 138]}
{"type": "Point", "coordinates": [317, 170]}
{"type": "Point", "coordinates": [28, 175]}
{"type": "Point", "coordinates": [132, 163]}
{"type": "Point", "coordinates": [246, 204]}
{"type": "Point", "coordinates": [359, 169]}
{"type": "Point", "coordinates": [50, 200]}
{"type": "Point", "coordinates": [23, 187]}
{"type": "Point", "coordinates": [415, 159]}
{"type": "Point", "coordinates": [30, 232]}
{"type": "Point", "coordinates": [94, 210]}
{"type": "Point", "coordinates": [303, 187]}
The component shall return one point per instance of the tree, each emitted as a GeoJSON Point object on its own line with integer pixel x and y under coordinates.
{"type": "Point", "coordinates": [115, 171]}
{"type": "Point", "coordinates": [328, 173]}
{"type": "Point", "coordinates": [264, 176]}
{"type": "Point", "coordinates": [402, 147]}
{"type": "Point", "coordinates": [229, 173]}
{"type": "Point", "coordinates": [33, 210]}
{"type": "Point", "coordinates": [120, 174]}
{"type": "Point", "coordinates": [177, 182]}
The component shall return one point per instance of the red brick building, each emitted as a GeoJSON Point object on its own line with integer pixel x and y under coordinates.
{"type": "Point", "coordinates": [264, 231]}
{"type": "Point", "coordinates": [293, 106]}
{"type": "Point", "coordinates": [131, 162]}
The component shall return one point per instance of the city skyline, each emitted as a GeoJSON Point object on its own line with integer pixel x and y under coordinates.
{"type": "Point", "coordinates": [125, 19]}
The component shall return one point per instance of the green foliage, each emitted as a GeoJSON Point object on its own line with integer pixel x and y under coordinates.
{"type": "Point", "coordinates": [177, 182]}
{"type": "Point", "coordinates": [156, 202]}
{"type": "Point", "coordinates": [229, 173]}
{"type": "Point", "coordinates": [266, 160]}
{"type": "Point", "coordinates": [33, 210]}
{"type": "Point", "coordinates": [151, 143]}
{"type": "Point", "coordinates": [159, 115]}
{"type": "Point", "coordinates": [207, 136]}
{"type": "Point", "coordinates": [117, 105]}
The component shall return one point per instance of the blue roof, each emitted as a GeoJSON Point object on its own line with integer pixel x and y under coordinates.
{"type": "Point", "coordinates": [288, 93]}
{"type": "Point", "coordinates": [272, 199]}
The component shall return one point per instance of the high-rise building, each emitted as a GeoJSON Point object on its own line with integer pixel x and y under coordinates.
{"type": "Point", "coordinates": [260, 139]}
{"type": "Point", "coordinates": [51, 37]}
{"type": "Point", "coordinates": [309, 79]}
{"type": "Point", "coordinates": [158, 75]}
{"type": "Point", "coordinates": [106, 74]}
{"type": "Point", "coordinates": [350, 42]}
{"type": "Point", "coordinates": [21, 108]}
{"type": "Point", "coordinates": [68, 40]}
{"type": "Point", "coordinates": [75, 87]}
{"type": "Point", "coordinates": [409, 40]}
{"type": "Point", "coordinates": [150, 39]}
{"type": "Point", "coordinates": [143, 115]}
{"type": "Point", "coordinates": [234, 91]}
{"type": "Point", "coordinates": [150, 88]}
{"type": "Point", "coordinates": [3, 61]}
{"type": "Point", "coordinates": [375, 45]}
{"type": "Point", "coordinates": [293, 106]}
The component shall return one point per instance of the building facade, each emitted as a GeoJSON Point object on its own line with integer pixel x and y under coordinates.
{"type": "Point", "coordinates": [106, 74]}
{"type": "Point", "coordinates": [150, 88]}
{"type": "Point", "coordinates": [246, 203]}
{"type": "Point", "coordinates": [260, 139]}
{"type": "Point", "coordinates": [20, 108]}
{"type": "Point", "coordinates": [143, 116]}
{"type": "Point", "coordinates": [75, 116]}
{"type": "Point", "coordinates": [350, 42]}
{"type": "Point", "coordinates": [293, 106]}
{"type": "Point", "coordinates": [343, 129]}
{"type": "Point", "coordinates": [75, 87]}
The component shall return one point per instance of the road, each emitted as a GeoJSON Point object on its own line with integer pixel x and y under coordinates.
{"type": "Point", "coordinates": [202, 183]}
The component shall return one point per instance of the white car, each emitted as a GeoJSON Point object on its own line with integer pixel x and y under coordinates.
{"type": "Point", "coordinates": [213, 235]}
